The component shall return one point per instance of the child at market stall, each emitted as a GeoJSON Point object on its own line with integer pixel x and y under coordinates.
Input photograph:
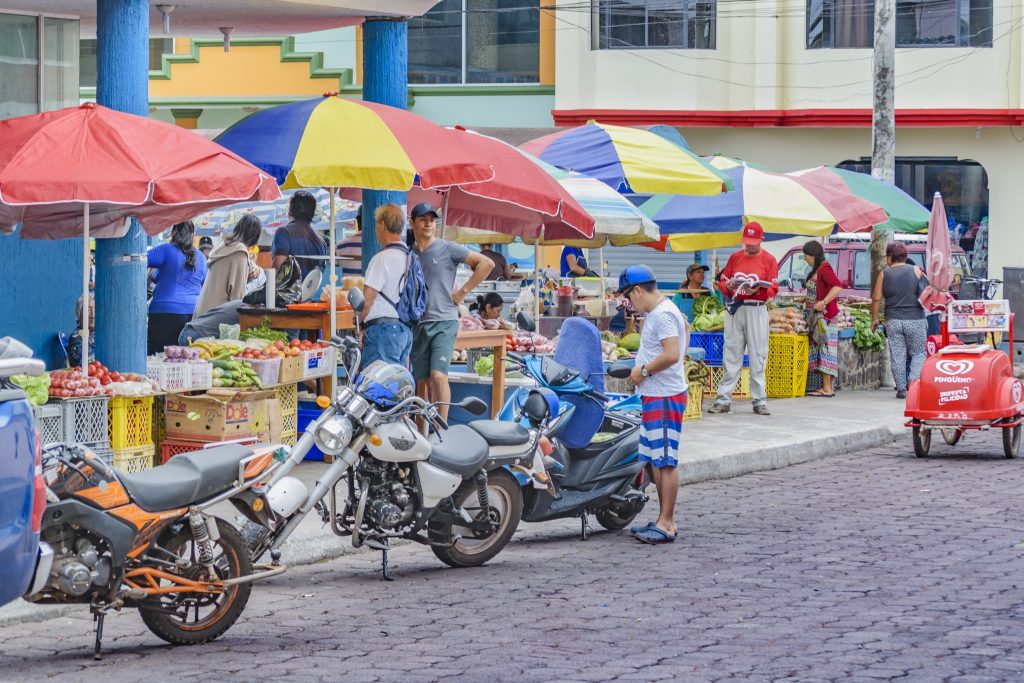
{"type": "Point", "coordinates": [660, 379]}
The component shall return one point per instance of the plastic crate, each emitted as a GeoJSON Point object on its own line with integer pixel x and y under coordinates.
{"type": "Point", "coordinates": [104, 454]}
{"type": "Point", "coordinates": [85, 421]}
{"type": "Point", "coordinates": [288, 397]}
{"type": "Point", "coordinates": [159, 421]}
{"type": "Point", "coordinates": [200, 376]}
{"type": "Point", "coordinates": [713, 344]}
{"type": "Point", "coordinates": [172, 447]}
{"type": "Point", "coordinates": [786, 371]}
{"type": "Point", "coordinates": [131, 422]}
{"type": "Point", "coordinates": [319, 363]}
{"type": "Point", "coordinates": [132, 460]}
{"type": "Point", "coordinates": [49, 422]}
{"type": "Point", "coordinates": [170, 377]}
{"type": "Point", "coordinates": [289, 438]}
{"type": "Point", "coordinates": [267, 370]}
{"type": "Point", "coordinates": [742, 389]}
{"type": "Point", "coordinates": [305, 416]}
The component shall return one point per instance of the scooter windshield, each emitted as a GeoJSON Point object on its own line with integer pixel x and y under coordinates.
{"type": "Point", "coordinates": [550, 375]}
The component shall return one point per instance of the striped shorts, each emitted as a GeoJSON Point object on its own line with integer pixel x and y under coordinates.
{"type": "Point", "coordinates": [660, 428]}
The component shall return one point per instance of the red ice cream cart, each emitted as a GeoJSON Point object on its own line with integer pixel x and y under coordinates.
{"type": "Point", "coordinates": [968, 386]}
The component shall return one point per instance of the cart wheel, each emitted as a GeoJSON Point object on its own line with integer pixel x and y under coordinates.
{"type": "Point", "coordinates": [922, 441]}
{"type": "Point", "coordinates": [952, 435]}
{"type": "Point", "coordinates": [1011, 441]}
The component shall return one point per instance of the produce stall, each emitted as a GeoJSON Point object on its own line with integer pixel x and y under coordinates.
{"type": "Point", "coordinates": [312, 316]}
{"type": "Point", "coordinates": [495, 341]}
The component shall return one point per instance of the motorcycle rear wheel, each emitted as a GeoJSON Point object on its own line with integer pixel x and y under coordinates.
{"type": "Point", "coordinates": [613, 517]}
{"type": "Point", "coordinates": [171, 618]}
{"type": "Point", "coordinates": [469, 551]}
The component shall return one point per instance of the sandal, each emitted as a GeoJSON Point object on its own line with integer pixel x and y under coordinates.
{"type": "Point", "coordinates": [655, 536]}
{"type": "Point", "coordinates": [818, 393]}
{"type": "Point", "coordinates": [640, 529]}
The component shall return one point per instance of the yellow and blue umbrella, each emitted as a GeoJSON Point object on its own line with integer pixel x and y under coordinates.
{"type": "Point", "coordinates": [629, 160]}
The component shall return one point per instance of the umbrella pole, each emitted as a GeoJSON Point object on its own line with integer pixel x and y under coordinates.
{"type": "Point", "coordinates": [85, 290]}
{"type": "Point", "coordinates": [536, 277]}
{"type": "Point", "coordinates": [600, 257]}
{"type": "Point", "coordinates": [332, 279]}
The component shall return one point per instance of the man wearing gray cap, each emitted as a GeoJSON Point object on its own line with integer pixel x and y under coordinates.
{"type": "Point", "coordinates": [433, 339]}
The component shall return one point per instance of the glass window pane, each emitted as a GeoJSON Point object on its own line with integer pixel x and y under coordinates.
{"type": "Point", "coordinates": [980, 27]}
{"type": "Point", "coordinates": [19, 65]}
{"type": "Point", "coordinates": [862, 269]}
{"type": "Point", "coordinates": [503, 41]}
{"type": "Point", "coordinates": [666, 26]}
{"type": "Point", "coordinates": [60, 63]}
{"type": "Point", "coordinates": [819, 33]}
{"type": "Point", "coordinates": [703, 28]}
{"type": "Point", "coordinates": [435, 44]}
{"type": "Point", "coordinates": [625, 24]}
{"type": "Point", "coordinates": [852, 23]}
{"type": "Point", "coordinates": [87, 63]}
{"type": "Point", "coordinates": [676, 24]}
{"type": "Point", "coordinates": [935, 22]}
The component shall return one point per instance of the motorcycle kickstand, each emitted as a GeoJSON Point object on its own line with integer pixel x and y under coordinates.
{"type": "Point", "coordinates": [97, 618]}
{"type": "Point", "coordinates": [385, 568]}
{"type": "Point", "coordinates": [585, 524]}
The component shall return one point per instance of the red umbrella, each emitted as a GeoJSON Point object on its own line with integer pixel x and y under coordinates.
{"type": "Point", "coordinates": [938, 267]}
{"type": "Point", "coordinates": [55, 165]}
{"type": "Point", "coordinates": [65, 172]}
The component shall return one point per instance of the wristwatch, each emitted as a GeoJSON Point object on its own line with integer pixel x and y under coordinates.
{"type": "Point", "coordinates": [643, 371]}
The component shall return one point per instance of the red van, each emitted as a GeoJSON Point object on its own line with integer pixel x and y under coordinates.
{"type": "Point", "coordinates": [849, 255]}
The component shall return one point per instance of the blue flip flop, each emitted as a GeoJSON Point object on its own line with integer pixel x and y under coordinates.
{"type": "Point", "coordinates": [655, 536]}
{"type": "Point", "coordinates": [639, 529]}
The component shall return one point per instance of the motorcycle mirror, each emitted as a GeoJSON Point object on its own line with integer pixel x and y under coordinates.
{"type": "Point", "coordinates": [356, 300]}
{"type": "Point", "coordinates": [473, 405]}
{"type": "Point", "coordinates": [619, 371]}
{"type": "Point", "coordinates": [525, 322]}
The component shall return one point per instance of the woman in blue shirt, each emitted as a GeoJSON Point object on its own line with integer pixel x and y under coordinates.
{"type": "Point", "coordinates": [572, 262]}
{"type": "Point", "coordinates": [179, 270]}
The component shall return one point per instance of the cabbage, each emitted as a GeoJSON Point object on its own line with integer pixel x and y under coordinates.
{"type": "Point", "coordinates": [485, 366]}
{"type": "Point", "coordinates": [37, 387]}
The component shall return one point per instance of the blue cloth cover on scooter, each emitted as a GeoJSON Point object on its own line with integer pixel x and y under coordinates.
{"type": "Point", "coordinates": [579, 348]}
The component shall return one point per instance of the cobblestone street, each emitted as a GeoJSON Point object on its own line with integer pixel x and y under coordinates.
{"type": "Point", "coordinates": [869, 566]}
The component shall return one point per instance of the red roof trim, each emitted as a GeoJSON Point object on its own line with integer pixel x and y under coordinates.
{"type": "Point", "coordinates": [821, 118]}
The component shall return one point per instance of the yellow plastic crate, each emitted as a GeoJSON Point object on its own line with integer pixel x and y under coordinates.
{"type": "Point", "coordinates": [131, 422]}
{"type": "Point", "coordinates": [289, 438]}
{"type": "Point", "coordinates": [786, 371]}
{"type": "Point", "coordinates": [742, 389]}
{"type": "Point", "coordinates": [288, 397]}
{"type": "Point", "coordinates": [132, 460]}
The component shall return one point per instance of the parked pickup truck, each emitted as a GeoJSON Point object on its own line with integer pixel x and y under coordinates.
{"type": "Point", "coordinates": [25, 561]}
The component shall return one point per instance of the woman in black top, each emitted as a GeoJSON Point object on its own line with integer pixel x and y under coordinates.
{"type": "Point", "coordinates": [906, 329]}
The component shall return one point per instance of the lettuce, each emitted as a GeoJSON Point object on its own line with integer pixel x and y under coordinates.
{"type": "Point", "coordinates": [37, 387]}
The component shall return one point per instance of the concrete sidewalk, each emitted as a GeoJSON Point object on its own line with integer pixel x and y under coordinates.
{"type": "Point", "coordinates": [714, 447]}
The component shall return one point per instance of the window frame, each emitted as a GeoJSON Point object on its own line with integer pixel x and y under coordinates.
{"type": "Point", "coordinates": [600, 26]}
{"type": "Point", "coordinates": [41, 18]}
{"type": "Point", "coordinates": [961, 15]}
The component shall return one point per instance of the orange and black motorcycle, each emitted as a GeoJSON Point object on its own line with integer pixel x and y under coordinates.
{"type": "Point", "coordinates": [147, 540]}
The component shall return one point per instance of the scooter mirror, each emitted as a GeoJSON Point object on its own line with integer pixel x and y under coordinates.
{"type": "Point", "coordinates": [473, 405]}
{"type": "Point", "coordinates": [525, 322]}
{"type": "Point", "coordinates": [356, 300]}
{"type": "Point", "coordinates": [619, 371]}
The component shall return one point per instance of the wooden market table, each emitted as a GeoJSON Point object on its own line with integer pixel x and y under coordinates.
{"type": "Point", "coordinates": [488, 339]}
{"type": "Point", "coordinates": [297, 319]}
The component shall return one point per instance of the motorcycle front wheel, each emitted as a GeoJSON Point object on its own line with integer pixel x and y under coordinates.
{"type": "Point", "coordinates": [193, 618]}
{"type": "Point", "coordinates": [505, 500]}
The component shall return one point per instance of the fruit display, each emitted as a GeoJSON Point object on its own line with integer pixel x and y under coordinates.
{"type": "Point", "coordinates": [217, 349]}
{"type": "Point", "coordinates": [234, 373]}
{"type": "Point", "coordinates": [787, 320]}
{"type": "Point", "coordinates": [181, 353]}
{"type": "Point", "coordinates": [73, 384]}
{"type": "Point", "coordinates": [277, 349]}
{"type": "Point", "coordinates": [610, 351]}
{"type": "Point", "coordinates": [528, 342]}
{"type": "Point", "coordinates": [630, 342]}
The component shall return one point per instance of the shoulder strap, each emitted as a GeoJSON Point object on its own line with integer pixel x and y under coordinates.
{"type": "Point", "coordinates": [405, 277]}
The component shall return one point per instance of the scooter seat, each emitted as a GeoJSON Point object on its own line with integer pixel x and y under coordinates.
{"type": "Point", "coordinates": [498, 433]}
{"type": "Point", "coordinates": [462, 451]}
{"type": "Point", "coordinates": [186, 478]}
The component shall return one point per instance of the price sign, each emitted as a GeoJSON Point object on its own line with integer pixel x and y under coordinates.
{"type": "Point", "coordinates": [976, 315]}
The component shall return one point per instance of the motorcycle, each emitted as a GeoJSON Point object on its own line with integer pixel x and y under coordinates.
{"type": "Point", "coordinates": [605, 477]}
{"type": "Point", "coordinates": [148, 541]}
{"type": "Point", "coordinates": [449, 491]}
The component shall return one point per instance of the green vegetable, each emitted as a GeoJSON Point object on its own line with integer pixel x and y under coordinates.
{"type": "Point", "coordinates": [709, 322]}
{"type": "Point", "coordinates": [264, 332]}
{"type": "Point", "coordinates": [630, 342]}
{"type": "Point", "coordinates": [36, 387]}
{"type": "Point", "coordinates": [485, 366]}
{"type": "Point", "coordinates": [863, 337]}
{"type": "Point", "coordinates": [707, 305]}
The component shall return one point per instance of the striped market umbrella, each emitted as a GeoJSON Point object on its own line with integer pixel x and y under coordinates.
{"type": "Point", "coordinates": [629, 160]}
{"type": "Point", "coordinates": [783, 204]}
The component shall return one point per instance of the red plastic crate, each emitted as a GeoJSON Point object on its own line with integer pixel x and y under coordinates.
{"type": "Point", "coordinates": [170, 448]}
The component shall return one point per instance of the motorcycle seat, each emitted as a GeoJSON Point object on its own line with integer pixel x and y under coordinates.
{"type": "Point", "coordinates": [462, 451]}
{"type": "Point", "coordinates": [498, 433]}
{"type": "Point", "coordinates": [186, 478]}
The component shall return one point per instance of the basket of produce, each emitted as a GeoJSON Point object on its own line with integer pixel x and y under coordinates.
{"type": "Point", "coordinates": [708, 315]}
{"type": "Point", "coordinates": [787, 320]}
{"type": "Point", "coordinates": [264, 362]}
{"type": "Point", "coordinates": [234, 373]}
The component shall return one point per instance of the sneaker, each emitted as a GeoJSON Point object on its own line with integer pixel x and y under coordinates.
{"type": "Point", "coordinates": [901, 394]}
{"type": "Point", "coordinates": [719, 408]}
{"type": "Point", "coordinates": [761, 410]}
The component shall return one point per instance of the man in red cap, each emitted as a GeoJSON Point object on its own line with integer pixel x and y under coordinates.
{"type": "Point", "coordinates": [750, 278]}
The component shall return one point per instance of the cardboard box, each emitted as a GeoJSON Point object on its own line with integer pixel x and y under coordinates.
{"type": "Point", "coordinates": [291, 369]}
{"type": "Point", "coordinates": [319, 362]}
{"type": "Point", "coordinates": [223, 415]}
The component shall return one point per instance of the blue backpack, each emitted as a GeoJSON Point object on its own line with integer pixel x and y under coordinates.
{"type": "Point", "coordinates": [412, 290]}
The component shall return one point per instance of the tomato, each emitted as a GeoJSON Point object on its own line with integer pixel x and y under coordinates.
{"type": "Point", "coordinates": [295, 342]}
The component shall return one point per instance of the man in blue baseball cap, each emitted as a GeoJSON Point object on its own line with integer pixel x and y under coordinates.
{"type": "Point", "coordinates": [660, 378]}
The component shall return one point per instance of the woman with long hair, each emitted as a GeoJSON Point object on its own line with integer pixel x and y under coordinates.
{"type": "Point", "coordinates": [178, 271]}
{"type": "Point", "coordinates": [231, 266]}
{"type": "Point", "coordinates": [823, 287]}
{"type": "Point", "coordinates": [488, 306]}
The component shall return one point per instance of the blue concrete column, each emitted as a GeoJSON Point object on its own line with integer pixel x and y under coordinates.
{"type": "Point", "coordinates": [385, 80]}
{"type": "Point", "coordinates": [122, 66]}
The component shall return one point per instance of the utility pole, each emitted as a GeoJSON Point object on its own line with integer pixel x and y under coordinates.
{"type": "Point", "coordinates": [883, 118]}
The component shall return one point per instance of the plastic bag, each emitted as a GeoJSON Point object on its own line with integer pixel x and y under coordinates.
{"type": "Point", "coordinates": [288, 287]}
{"type": "Point", "coordinates": [230, 331]}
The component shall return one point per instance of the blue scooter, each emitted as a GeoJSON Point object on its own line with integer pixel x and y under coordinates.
{"type": "Point", "coordinates": [604, 477]}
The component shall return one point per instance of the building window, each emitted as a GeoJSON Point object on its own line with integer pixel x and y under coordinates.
{"type": "Point", "coordinates": [158, 47]}
{"type": "Point", "coordinates": [919, 23]}
{"type": "Point", "coordinates": [662, 24]}
{"type": "Point", "coordinates": [38, 64]}
{"type": "Point", "coordinates": [476, 41]}
{"type": "Point", "coordinates": [60, 63]}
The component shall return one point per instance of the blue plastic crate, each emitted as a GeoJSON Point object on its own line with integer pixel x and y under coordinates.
{"type": "Point", "coordinates": [713, 344]}
{"type": "Point", "coordinates": [305, 416]}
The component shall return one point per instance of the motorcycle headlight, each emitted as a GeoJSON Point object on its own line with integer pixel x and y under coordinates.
{"type": "Point", "coordinates": [333, 434]}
